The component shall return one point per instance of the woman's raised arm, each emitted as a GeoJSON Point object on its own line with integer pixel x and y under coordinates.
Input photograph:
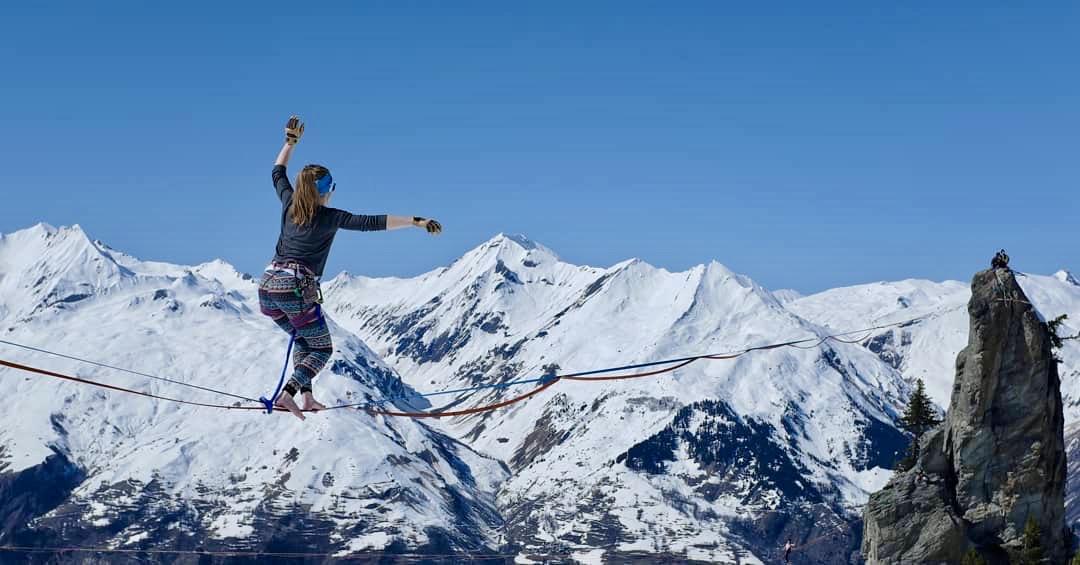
{"type": "Point", "coordinates": [294, 130]}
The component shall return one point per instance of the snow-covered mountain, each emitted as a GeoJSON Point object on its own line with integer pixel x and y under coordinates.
{"type": "Point", "coordinates": [107, 469]}
{"type": "Point", "coordinates": [927, 349]}
{"type": "Point", "coordinates": [718, 461]}
{"type": "Point", "coordinates": [821, 421]}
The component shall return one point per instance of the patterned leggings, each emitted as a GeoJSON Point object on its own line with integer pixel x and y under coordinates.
{"type": "Point", "coordinates": [278, 299]}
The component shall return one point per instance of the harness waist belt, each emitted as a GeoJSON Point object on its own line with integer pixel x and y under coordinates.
{"type": "Point", "coordinates": [293, 268]}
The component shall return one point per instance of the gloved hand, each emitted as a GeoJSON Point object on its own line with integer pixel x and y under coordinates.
{"type": "Point", "coordinates": [294, 130]}
{"type": "Point", "coordinates": [432, 226]}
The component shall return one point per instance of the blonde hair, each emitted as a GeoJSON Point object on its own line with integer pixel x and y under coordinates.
{"type": "Point", "coordinates": [306, 200]}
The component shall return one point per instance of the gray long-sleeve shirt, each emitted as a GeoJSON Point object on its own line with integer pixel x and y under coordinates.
{"type": "Point", "coordinates": [310, 244]}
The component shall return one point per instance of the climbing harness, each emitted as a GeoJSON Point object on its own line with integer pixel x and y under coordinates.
{"type": "Point", "coordinates": [307, 284]}
{"type": "Point", "coordinates": [308, 291]}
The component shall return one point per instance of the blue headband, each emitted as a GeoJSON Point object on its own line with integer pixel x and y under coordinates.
{"type": "Point", "coordinates": [325, 184]}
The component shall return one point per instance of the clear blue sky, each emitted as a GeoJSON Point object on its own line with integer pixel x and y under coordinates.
{"type": "Point", "coordinates": [806, 144]}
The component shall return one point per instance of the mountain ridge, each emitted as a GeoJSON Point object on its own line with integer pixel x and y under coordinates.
{"type": "Point", "coordinates": [583, 465]}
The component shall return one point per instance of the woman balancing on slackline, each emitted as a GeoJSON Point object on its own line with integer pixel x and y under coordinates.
{"type": "Point", "coordinates": [289, 290]}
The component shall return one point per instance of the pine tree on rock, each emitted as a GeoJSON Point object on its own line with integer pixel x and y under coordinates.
{"type": "Point", "coordinates": [919, 417]}
{"type": "Point", "coordinates": [1032, 551]}
{"type": "Point", "coordinates": [972, 557]}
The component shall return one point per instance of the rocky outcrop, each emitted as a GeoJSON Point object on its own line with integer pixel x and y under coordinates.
{"type": "Point", "coordinates": [32, 492]}
{"type": "Point", "coordinates": [997, 460]}
{"type": "Point", "coordinates": [1072, 486]}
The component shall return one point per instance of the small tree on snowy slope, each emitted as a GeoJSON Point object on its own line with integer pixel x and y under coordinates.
{"type": "Point", "coordinates": [918, 418]}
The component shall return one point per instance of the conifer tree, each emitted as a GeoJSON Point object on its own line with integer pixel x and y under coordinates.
{"type": "Point", "coordinates": [972, 557]}
{"type": "Point", "coordinates": [919, 417]}
{"type": "Point", "coordinates": [1031, 553]}
{"type": "Point", "coordinates": [1058, 341]}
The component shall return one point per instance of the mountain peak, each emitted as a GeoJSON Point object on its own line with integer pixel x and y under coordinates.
{"type": "Point", "coordinates": [519, 239]}
{"type": "Point", "coordinates": [40, 228]}
{"type": "Point", "coordinates": [785, 295]}
{"type": "Point", "coordinates": [512, 248]}
{"type": "Point", "coordinates": [717, 268]}
{"type": "Point", "coordinates": [222, 271]}
{"type": "Point", "coordinates": [41, 236]}
{"type": "Point", "coordinates": [1066, 276]}
{"type": "Point", "coordinates": [50, 265]}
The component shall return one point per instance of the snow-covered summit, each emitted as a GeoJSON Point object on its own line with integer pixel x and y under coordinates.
{"type": "Point", "coordinates": [226, 274]}
{"type": "Point", "coordinates": [503, 239]}
{"type": "Point", "coordinates": [786, 295]}
{"type": "Point", "coordinates": [927, 349]}
{"type": "Point", "coordinates": [118, 466]}
{"type": "Point", "coordinates": [44, 268]}
{"type": "Point", "coordinates": [499, 314]}
{"type": "Point", "coordinates": [713, 461]}
{"type": "Point", "coordinates": [1067, 277]}
{"type": "Point", "coordinates": [508, 249]}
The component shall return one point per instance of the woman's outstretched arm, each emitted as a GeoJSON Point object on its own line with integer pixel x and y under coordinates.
{"type": "Point", "coordinates": [395, 222]}
{"type": "Point", "coordinates": [361, 222]}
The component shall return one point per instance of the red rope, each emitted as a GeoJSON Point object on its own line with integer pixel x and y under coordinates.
{"type": "Point", "coordinates": [487, 408]}
{"type": "Point", "coordinates": [29, 369]}
{"type": "Point", "coordinates": [372, 411]}
{"type": "Point", "coordinates": [476, 410]}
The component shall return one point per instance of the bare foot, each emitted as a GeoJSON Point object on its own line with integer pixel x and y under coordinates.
{"type": "Point", "coordinates": [285, 400]}
{"type": "Point", "coordinates": [311, 404]}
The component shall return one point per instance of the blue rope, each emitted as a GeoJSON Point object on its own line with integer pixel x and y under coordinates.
{"type": "Point", "coordinates": [269, 404]}
{"type": "Point", "coordinates": [507, 384]}
{"type": "Point", "coordinates": [547, 378]}
{"type": "Point", "coordinates": [637, 366]}
{"type": "Point", "coordinates": [480, 387]}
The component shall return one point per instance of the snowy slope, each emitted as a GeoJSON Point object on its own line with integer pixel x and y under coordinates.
{"type": "Point", "coordinates": [719, 461]}
{"type": "Point", "coordinates": [1053, 296]}
{"type": "Point", "coordinates": [625, 464]}
{"type": "Point", "coordinates": [145, 472]}
{"type": "Point", "coordinates": [928, 349]}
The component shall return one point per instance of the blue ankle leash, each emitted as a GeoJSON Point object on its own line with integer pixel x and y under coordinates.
{"type": "Point", "coordinates": [269, 404]}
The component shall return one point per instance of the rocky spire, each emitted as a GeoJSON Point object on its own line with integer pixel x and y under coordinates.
{"type": "Point", "coordinates": [999, 457]}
